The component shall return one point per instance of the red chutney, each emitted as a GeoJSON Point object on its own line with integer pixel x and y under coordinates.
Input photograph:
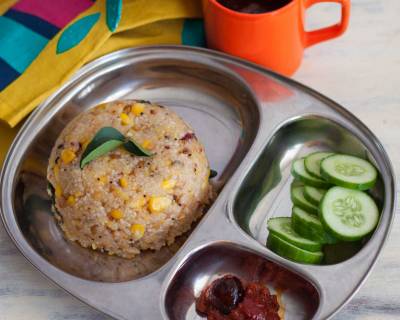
{"type": "Point", "coordinates": [254, 302]}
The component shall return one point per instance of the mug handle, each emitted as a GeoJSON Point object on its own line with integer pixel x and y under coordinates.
{"type": "Point", "coordinates": [316, 36]}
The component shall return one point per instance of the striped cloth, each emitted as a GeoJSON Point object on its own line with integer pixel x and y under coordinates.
{"type": "Point", "coordinates": [27, 27]}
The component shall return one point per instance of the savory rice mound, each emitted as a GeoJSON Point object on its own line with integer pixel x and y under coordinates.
{"type": "Point", "coordinates": [122, 203]}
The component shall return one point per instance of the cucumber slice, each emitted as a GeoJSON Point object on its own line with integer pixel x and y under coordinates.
{"type": "Point", "coordinates": [300, 173]}
{"type": "Point", "coordinates": [310, 227]}
{"type": "Point", "coordinates": [312, 163]}
{"type": "Point", "coordinates": [296, 183]}
{"type": "Point", "coordinates": [314, 195]}
{"type": "Point", "coordinates": [289, 251]}
{"type": "Point", "coordinates": [348, 214]}
{"type": "Point", "coordinates": [349, 172]}
{"type": "Point", "coordinates": [297, 196]}
{"type": "Point", "coordinates": [282, 227]}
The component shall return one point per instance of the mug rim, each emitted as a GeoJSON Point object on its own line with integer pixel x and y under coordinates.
{"type": "Point", "coordinates": [238, 14]}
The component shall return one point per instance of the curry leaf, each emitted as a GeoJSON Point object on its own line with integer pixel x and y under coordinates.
{"type": "Point", "coordinates": [102, 149]}
{"type": "Point", "coordinates": [107, 139]}
{"type": "Point", "coordinates": [133, 147]}
{"type": "Point", "coordinates": [103, 135]}
{"type": "Point", "coordinates": [51, 192]}
{"type": "Point", "coordinates": [213, 173]}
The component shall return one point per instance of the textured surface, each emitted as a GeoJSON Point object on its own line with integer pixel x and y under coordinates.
{"type": "Point", "coordinates": [120, 203]}
{"type": "Point", "coordinates": [360, 71]}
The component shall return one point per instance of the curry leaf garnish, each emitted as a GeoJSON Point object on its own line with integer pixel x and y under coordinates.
{"type": "Point", "coordinates": [51, 192]}
{"type": "Point", "coordinates": [101, 150]}
{"type": "Point", "coordinates": [213, 173]}
{"type": "Point", "coordinates": [133, 147]}
{"type": "Point", "coordinates": [107, 139]}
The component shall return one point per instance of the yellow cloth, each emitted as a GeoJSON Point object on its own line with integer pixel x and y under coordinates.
{"type": "Point", "coordinates": [143, 22]}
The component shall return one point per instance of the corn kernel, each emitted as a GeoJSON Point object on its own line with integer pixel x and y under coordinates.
{"type": "Point", "coordinates": [158, 204]}
{"type": "Point", "coordinates": [139, 203]}
{"type": "Point", "coordinates": [123, 182]}
{"type": "Point", "coordinates": [56, 170]}
{"type": "Point", "coordinates": [138, 230]}
{"type": "Point", "coordinates": [67, 155]}
{"type": "Point", "coordinates": [116, 214]}
{"type": "Point", "coordinates": [137, 109]}
{"type": "Point", "coordinates": [147, 144]}
{"type": "Point", "coordinates": [71, 200]}
{"type": "Point", "coordinates": [58, 191]}
{"type": "Point", "coordinates": [102, 106]}
{"type": "Point", "coordinates": [168, 184]}
{"type": "Point", "coordinates": [125, 120]}
{"type": "Point", "coordinates": [103, 179]}
{"type": "Point", "coordinates": [121, 194]}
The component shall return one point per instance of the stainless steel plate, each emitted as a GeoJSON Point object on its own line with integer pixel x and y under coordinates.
{"type": "Point", "coordinates": [253, 123]}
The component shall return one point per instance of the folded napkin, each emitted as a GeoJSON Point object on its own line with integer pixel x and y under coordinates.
{"type": "Point", "coordinates": [43, 42]}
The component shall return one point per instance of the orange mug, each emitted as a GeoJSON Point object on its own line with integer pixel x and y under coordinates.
{"type": "Point", "coordinates": [275, 39]}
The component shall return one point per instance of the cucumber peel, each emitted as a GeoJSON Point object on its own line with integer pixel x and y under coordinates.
{"type": "Point", "coordinates": [314, 195]}
{"type": "Point", "coordinates": [349, 172]}
{"type": "Point", "coordinates": [291, 252]}
{"type": "Point", "coordinates": [282, 227]}
{"type": "Point", "coordinates": [312, 163]}
{"type": "Point", "coordinates": [297, 196]}
{"type": "Point", "coordinates": [299, 172]}
{"type": "Point", "coordinates": [310, 227]}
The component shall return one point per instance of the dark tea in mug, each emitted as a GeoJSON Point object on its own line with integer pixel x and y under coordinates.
{"type": "Point", "coordinates": [254, 6]}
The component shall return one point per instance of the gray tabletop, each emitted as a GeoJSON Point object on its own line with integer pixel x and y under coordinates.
{"type": "Point", "coordinates": [360, 71]}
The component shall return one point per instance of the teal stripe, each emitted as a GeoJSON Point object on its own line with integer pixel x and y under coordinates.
{"type": "Point", "coordinates": [19, 46]}
{"type": "Point", "coordinates": [114, 9]}
{"type": "Point", "coordinates": [193, 33]}
{"type": "Point", "coordinates": [76, 32]}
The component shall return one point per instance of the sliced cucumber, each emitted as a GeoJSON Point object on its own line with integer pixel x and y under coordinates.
{"type": "Point", "coordinates": [310, 227]}
{"type": "Point", "coordinates": [348, 214]}
{"type": "Point", "coordinates": [300, 173]}
{"type": "Point", "coordinates": [349, 172]}
{"type": "Point", "coordinates": [282, 227]}
{"type": "Point", "coordinates": [314, 195]}
{"type": "Point", "coordinates": [297, 196]}
{"type": "Point", "coordinates": [289, 251]}
{"type": "Point", "coordinates": [312, 163]}
{"type": "Point", "coordinates": [296, 183]}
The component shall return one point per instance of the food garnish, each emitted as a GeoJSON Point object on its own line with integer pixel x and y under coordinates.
{"type": "Point", "coordinates": [108, 139]}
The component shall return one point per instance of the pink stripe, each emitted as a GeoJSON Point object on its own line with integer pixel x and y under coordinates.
{"type": "Point", "coordinates": [57, 12]}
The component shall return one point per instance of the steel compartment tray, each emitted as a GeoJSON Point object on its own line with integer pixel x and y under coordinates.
{"type": "Point", "coordinates": [253, 123]}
